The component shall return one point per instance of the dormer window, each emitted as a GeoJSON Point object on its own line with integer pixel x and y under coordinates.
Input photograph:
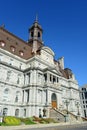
{"type": "Point", "coordinates": [2, 43]}
{"type": "Point", "coordinates": [21, 53]}
{"type": "Point", "coordinates": [12, 48]}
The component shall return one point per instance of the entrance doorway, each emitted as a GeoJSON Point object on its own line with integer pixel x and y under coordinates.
{"type": "Point", "coordinates": [54, 100]}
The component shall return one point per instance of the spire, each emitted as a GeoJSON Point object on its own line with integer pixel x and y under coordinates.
{"type": "Point", "coordinates": [36, 19]}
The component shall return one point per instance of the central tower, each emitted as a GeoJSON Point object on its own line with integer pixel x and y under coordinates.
{"type": "Point", "coordinates": [35, 36]}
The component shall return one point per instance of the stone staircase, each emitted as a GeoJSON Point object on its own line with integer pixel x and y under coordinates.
{"type": "Point", "coordinates": [57, 115]}
{"type": "Point", "coordinates": [74, 118]}
{"type": "Point", "coordinates": [62, 116]}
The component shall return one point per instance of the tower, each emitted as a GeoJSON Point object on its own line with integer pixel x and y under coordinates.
{"type": "Point", "coordinates": [35, 36]}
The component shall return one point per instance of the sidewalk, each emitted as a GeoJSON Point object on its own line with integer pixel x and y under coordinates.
{"type": "Point", "coordinates": [36, 126]}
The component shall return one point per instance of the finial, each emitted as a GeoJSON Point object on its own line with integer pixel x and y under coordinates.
{"type": "Point", "coordinates": [36, 18]}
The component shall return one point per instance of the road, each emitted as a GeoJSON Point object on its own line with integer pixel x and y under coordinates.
{"type": "Point", "coordinates": [66, 127]}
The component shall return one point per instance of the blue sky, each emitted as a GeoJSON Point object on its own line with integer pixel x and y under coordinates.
{"type": "Point", "coordinates": [64, 23]}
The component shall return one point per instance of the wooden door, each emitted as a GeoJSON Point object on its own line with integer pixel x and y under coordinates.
{"type": "Point", "coordinates": [54, 104]}
{"type": "Point", "coordinates": [54, 100]}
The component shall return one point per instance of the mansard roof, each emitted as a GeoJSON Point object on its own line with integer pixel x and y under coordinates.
{"type": "Point", "coordinates": [14, 44]}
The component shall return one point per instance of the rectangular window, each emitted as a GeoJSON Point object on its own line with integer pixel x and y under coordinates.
{"type": "Point", "coordinates": [24, 112]}
{"type": "Point", "coordinates": [82, 96]}
{"type": "Point", "coordinates": [27, 93]}
{"type": "Point", "coordinates": [85, 113]}
{"type": "Point", "coordinates": [50, 77]}
{"type": "Point", "coordinates": [84, 106]}
{"type": "Point", "coordinates": [18, 81]}
{"type": "Point", "coordinates": [54, 79]}
{"type": "Point", "coordinates": [45, 77]}
{"type": "Point", "coordinates": [28, 77]}
{"type": "Point", "coordinates": [57, 80]}
{"type": "Point", "coordinates": [84, 89]}
{"type": "Point", "coordinates": [85, 95]}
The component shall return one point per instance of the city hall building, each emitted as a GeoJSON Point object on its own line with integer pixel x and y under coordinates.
{"type": "Point", "coordinates": [32, 82]}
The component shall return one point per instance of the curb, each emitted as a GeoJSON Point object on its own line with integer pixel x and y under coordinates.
{"type": "Point", "coordinates": [40, 126]}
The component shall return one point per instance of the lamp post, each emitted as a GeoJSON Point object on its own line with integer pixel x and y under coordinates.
{"type": "Point", "coordinates": [77, 104]}
{"type": "Point", "coordinates": [67, 104]}
{"type": "Point", "coordinates": [67, 116]}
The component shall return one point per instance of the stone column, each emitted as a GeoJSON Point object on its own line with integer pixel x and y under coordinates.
{"type": "Point", "coordinates": [47, 96]}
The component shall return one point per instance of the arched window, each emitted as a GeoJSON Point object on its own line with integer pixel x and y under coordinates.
{"type": "Point", "coordinates": [17, 112]}
{"type": "Point", "coordinates": [16, 98]}
{"type": "Point", "coordinates": [32, 34]}
{"type": "Point", "coordinates": [53, 97]}
{"type": "Point", "coordinates": [38, 34]}
{"type": "Point", "coordinates": [6, 95]}
{"type": "Point", "coordinates": [5, 111]}
{"type": "Point", "coordinates": [6, 91]}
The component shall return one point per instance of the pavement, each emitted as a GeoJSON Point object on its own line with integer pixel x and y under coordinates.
{"type": "Point", "coordinates": [38, 126]}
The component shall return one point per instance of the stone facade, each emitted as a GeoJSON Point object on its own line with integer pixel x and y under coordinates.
{"type": "Point", "coordinates": [83, 97]}
{"type": "Point", "coordinates": [31, 81]}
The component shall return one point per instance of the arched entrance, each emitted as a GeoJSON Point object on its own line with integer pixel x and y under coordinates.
{"type": "Point", "coordinates": [54, 100]}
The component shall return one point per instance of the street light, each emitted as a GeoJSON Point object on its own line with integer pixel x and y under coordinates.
{"type": "Point", "coordinates": [77, 104]}
{"type": "Point", "coordinates": [67, 104]}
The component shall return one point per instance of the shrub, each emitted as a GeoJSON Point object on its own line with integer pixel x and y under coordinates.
{"type": "Point", "coordinates": [37, 119]}
{"type": "Point", "coordinates": [49, 120]}
{"type": "Point", "coordinates": [43, 120]}
{"type": "Point", "coordinates": [27, 121]}
{"type": "Point", "coordinates": [9, 120]}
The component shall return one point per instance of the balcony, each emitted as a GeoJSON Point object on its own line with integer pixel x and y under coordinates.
{"type": "Point", "coordinates": [51, 84]}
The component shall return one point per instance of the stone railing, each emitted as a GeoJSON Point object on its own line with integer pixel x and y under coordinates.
{"type": "Point", "coordinates": [50, 84]}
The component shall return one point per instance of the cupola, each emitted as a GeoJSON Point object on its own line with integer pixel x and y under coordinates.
{"type": "Point", "coordinates": [35, 36]}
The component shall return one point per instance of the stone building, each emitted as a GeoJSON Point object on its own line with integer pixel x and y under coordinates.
{"type": "Point", "coordinates": [83, 96]}
{"type": "Point", "coordinates": [32, 82]}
